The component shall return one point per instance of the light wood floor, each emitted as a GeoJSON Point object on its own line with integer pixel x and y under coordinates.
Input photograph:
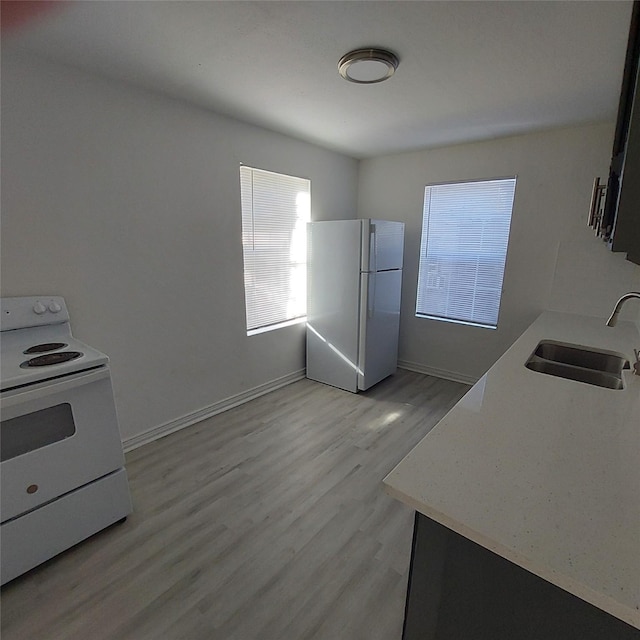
{"type": "Point", "coordinates": [267, 522]}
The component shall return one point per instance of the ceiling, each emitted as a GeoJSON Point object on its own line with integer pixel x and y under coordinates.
{"type": "Point", "coordinates": [468, 70]}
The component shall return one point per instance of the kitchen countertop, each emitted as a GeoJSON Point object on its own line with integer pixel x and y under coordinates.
{"type": "Point", "coordinates": [542, 470]}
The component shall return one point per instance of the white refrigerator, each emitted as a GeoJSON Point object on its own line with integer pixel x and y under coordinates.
{"type": "Point", "coordinates": [353, 301]}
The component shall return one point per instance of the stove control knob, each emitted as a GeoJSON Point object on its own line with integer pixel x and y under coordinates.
{"type": "Point", "coordinates": [39, 308]}
{"type": "Point", "coordinates": [54, 307]}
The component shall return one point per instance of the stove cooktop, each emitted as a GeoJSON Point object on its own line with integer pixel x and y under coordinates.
{"type": "Point", "coordinates": [62, 355]}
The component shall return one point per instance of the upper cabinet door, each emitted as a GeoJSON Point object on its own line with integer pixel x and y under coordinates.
{"type": "Point", "coordinates": [621, 220]}
{"type": "Point", "coordinates": [626, 231]}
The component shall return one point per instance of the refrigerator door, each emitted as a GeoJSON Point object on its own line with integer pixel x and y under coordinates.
{"type": "Point", "coordinates": [379, 324]}
{"type": "Point", "coordinates": [333, 313]}
{"type": "Point", "coordinates": [382, 245]}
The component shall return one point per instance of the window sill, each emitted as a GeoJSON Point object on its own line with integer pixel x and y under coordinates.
{"type": "Point", "coordinates": [279, 325]}
{"type": "Point", "coordinates": [469, 324]}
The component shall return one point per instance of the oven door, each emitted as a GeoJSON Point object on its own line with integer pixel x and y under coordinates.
{"type": "Point", "coordinates": [56, 436]}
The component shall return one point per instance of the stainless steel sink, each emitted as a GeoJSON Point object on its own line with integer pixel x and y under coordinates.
{"type": "Point", "coordinates": [571, 361]}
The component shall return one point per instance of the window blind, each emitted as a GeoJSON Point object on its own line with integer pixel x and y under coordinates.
{"type": "Point", "coordinates": [275, 212]}
{"type": "Point", "coordinates": [463, 249]}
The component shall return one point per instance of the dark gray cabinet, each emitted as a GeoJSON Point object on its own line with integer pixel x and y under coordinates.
{"type": "Point", "coordinates": [625, 235]}
{"type": "Point", "coordinates": [619, 223]}
{"type": "Point", "coordinates": [460, 591]}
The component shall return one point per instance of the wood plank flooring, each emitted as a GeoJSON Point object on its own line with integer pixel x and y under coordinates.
{"type": "Point", "coordinates": [266, 522]}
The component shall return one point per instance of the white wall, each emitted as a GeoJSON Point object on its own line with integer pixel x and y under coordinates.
{"type": "Point", "coordinates": [127, 204]}
{"type": "Point", "coordinates": [554, 261]}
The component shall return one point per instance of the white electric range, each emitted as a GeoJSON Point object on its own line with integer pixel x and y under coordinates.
{"type": "Point", "coordinates": [61, 465]}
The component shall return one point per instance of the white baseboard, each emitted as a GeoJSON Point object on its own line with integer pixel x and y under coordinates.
{"type": "Point", "coordinates": [455, 376]}
{"type": "Point", "coordinates": [202, 414]}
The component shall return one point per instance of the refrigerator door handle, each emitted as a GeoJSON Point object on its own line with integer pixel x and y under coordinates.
{"type": "Point", "coordinates": [371, 295]}
{"type": "Point", "coordinates": [373, 248]}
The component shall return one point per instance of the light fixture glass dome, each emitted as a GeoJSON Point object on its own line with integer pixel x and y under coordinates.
{"type": "Point", "coordinates": [367, 66]}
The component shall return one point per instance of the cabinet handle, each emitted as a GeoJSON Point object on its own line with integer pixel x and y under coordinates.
{"type": "Point", "coordinates": [595, 210]}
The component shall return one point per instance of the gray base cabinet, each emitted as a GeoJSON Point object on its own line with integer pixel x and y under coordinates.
{"type": "Point", "coordinates": [460, 591]}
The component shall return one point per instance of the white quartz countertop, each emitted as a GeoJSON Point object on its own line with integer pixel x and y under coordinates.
{"type": "Point", "coordinates": [542, 470]}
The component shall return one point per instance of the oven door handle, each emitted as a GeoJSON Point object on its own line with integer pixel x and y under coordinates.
{"type": "Point", "coordinates": [44, 389]}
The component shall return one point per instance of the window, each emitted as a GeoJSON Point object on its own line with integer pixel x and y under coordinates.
{"type": "Point", "coordinates": [275, 212]}
{"type": "Point", "coordinates": [465, 232]}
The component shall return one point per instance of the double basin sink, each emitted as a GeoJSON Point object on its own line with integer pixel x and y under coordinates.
{"type": "Point", "coordinates": [574, 362]}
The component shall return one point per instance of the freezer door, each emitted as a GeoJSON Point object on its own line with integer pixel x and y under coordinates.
{"type": "Point", "coordinates": [382, 245]}
{"type": "Point", "coordinates": [379, 325]}
{"type": "Point", "coordinates": [333, 313]}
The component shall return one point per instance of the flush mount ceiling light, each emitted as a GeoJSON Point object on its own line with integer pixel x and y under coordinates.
{"type": "Point", "coordinates": [367, 66]}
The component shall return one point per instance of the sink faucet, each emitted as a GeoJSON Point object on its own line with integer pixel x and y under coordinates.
{"type": "Point", "coordinates": [613, 318]}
